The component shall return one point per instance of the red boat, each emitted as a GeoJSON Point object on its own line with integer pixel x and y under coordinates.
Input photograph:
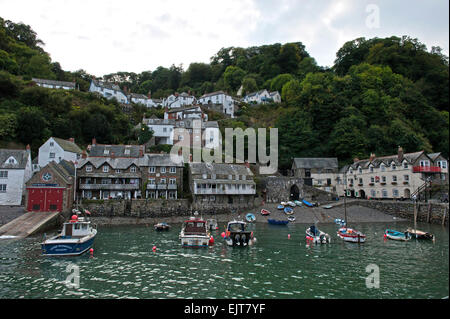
{"type": "Point", "coordinates": [265, 212]}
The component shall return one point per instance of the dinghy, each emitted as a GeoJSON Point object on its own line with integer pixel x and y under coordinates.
{"type": "Point", "coordinates": [265, 212]}
{"type": "Point", "coordinates": [288, 211]}
{"type": "Point", "coordinates": [396, 235]}
{"type": "Point", "coordinates": [415, 233]}
{"type": "Point", "coordinates": [280, 207]}
{"type": "Point", "coordinates": [315, 235]}
{"type": "Point", "coordinates": [308, 203]}
{"type": "Point", "coordinates": [291, 218]}
{"type": "Point", "coordinates": [298, 203]}
{"type": "Point", "coordinates": [250, 217]}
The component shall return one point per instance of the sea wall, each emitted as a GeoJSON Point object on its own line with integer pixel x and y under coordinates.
{"type": "Point", "coordinates": [433, 213]}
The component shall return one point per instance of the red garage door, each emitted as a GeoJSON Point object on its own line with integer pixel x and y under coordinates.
{"type": "Point", "coordinates": [45, 199]}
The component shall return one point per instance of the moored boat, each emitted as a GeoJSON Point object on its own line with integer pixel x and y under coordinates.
{"type": "Point", "coordinates": [308, 203]}
{"type": "Point", "coordinates": [291, 218]}
{"type": "Point", "coordinates": [250, 217]}
{"type": "Point", "coordinates": [315, 235]}
{"type": "Point", "coordinates": [76, 237]}
{"type": "Point", "coordinates": [415, 233]}
{"type": "Point", "coordinates": [292, 204]}
{"type": "Point", "coordinates": [162, 226]}
{"type": "Point", "coordinates": [237, 234]}
{"type": "Point", "coordinates": [194, 233]}
{"type": "Point", "coordinates": [351, 235]}
{"type": "Point", "coordinates": [298, 203]}
{"type": "Point", "coordinates": [288, 210]}
{"type": "Point", "coordinates": [277, 222]}
{"type": "Point", "coordinates": [396, 235]}
{"type": "Point", "coordinates": [265, 212]}
{"type": "Point", "coordinates": [280, 207]}
{"type": "Point", "coordinates": [212, 224]}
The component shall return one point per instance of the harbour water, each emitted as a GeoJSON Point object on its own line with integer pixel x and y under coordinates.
{"type": "Point", "coordinates": [277, 266]}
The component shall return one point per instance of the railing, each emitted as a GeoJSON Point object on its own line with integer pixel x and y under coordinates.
{"type": "Point", "coordinates": [426, 169]}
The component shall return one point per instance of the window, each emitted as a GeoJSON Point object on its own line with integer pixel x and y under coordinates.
{"type": "Point", "coordinates": [3, 174]}
{"type": "Point", "coordinates": [151, 169]}
{"type": "Point", "coordinates": [52, 155]}
{"type": "Point", "coordinates": [106, 152]}
{"type": "Point", "coordinates": [442, 164]}
{"type": "Point", "coordinates": [425, 163]}
{"type": "Point", "coordinates": [151, 181]}
{"type": "Point", "coordinates": [360, 170]}
{"type": "Point", "coordinates": [373, 193]}
{"type": "Point", "coordinates": [52, 144]}
{"type": "Point", "coordinates": [163, 169]}
{"type": "Point", "coordinates": [173, 169]}
{"type": "Point", "coordinates": [395, 192]}
{"type": "Point", "coordinates": [394, 178]}
{"type": "Point", "coordinates": [360, 181]}
{"type": "Point", "coordinates": [118, 171]}
{"type": "Point", "coordinates": [406, 178]}
{"type": "Point", "coordinates": [88, 168]}
{"type": "Point", "coordinates": [2, 188]}
{"type": "Point", "coordinates": [163, 181]}
{"type": "Point", "coordinates": [405, 165]}
{"type": "Point", "coordinates": [127, 151]}
{"type": "Point", "coordinates": [384, 193]}
{"type": "Point", "coordinates": [105, 169]}
{"type": "Point", "coordinates": [394, 166]}
{"type": "Point", "coordinates": [383, 179]}
{"type": "Point", "coordinates": [172, 181]}
{"type": "Point", "coordinates": [53, 207]}
{"type": "Point", "coordinates": [171, 195]}
{"type": "Point", "coordinates": [372, 179]}
{"type": "Point", "coordinates": [133, 169]}
{"type": "Point", "coordinates": [371, 169]}
{"type": "Point", "coordinates": [383, 167]}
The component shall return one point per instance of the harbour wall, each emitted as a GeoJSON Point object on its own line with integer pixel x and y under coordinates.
{"type": "Point", "coordinates": [433, 213]}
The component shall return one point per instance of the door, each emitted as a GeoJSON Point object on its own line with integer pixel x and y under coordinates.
{"type": "Point", "coordinates": [36, 199]}
{"type": "Point", "coordinates": [53, 200]}
{"type": "Point", "coordinates": [69, 229]}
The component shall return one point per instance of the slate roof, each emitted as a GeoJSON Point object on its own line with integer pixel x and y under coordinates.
{"type": "Point", "coordinates": [160, 160]}
{"type": "Point", "coordinates": [219, 169]}
{"type": "Point", "coordinates": [316, 162]}
{"type": "Point", "coordinates": [212, 94]}
{"type": "Point", "coordinates": [53, 82]}
{"type": "Point", "coordinates": [115, 163]}
{"type": "Point", "coordinates": [67, 145]}
{"type": "Point", "coordinates": [387, 160]}
{"type": "Point", "coordinates": [21, 157]}
{"type": "Point", "coordinates": [98, 150]}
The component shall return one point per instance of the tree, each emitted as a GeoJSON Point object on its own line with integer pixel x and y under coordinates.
{"type": "Point", "coordinates": [233, 77]}
{"type": "Point", "coordinates": [276, 84]}
{"type": "Point", "coordinates": [290, 92]}
{"type": "Point", "coordinates": [145, 134]}
{"type": "Point", "coordinates": [249, 85]}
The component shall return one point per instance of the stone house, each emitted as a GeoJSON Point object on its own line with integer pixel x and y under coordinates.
{"type": "Point", "coordinates": [15, 170]}
{"type": "Point", "coordinates": [318, 172]}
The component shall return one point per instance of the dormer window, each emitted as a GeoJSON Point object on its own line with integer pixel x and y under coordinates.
{"type": "Point", "coordinates": [106, 152]}
{"type": "Point", "coordinates": [405, 164]}
{"type": "Point", "coordinates": [127, 151]}
{"type": "Point", "coordinates": [360, 170]}
{"type": "Point", "coordinates": [383, 167]}
{"type": "Point", "coordinates": [105, 169]}
{"type": "Point", "coordinates": [88, 168]}
{"type": "Point", "coordinates": [394, 166]}
{"type": "Point", "coordinates": [371, 169]}
{"type": "Point", "coordinates": [52, 144]}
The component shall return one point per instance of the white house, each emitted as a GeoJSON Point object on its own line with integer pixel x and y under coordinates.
{"type": "Point", "coordinates": [219, 98]}
{"type": "Point", "coordinates": [262, 96]}
{"type": "Point", "coordinates": [191, 112]}
{"type": "Point", "coordinates": [109, 91]}
{"type": "Point", "coordinates": [142, 99]}
{"type": "Point", "coordinates": [162, 129]}
{"type": "Point", "coordinates": [178, 100]}
{"type": "Point", "coordinates": [15, 171]}
{"type": "Point", "coordinates": [57, 149]}
{"type": "Point", "coordinates": [275, 96]}
{"type": "Point", "coordinates": [51, 84]}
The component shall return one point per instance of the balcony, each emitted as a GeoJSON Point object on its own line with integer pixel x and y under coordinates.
{"type": "Point", "coordinates": [116, 187]}
{"type": "Point", "coordinates": [426, 169]}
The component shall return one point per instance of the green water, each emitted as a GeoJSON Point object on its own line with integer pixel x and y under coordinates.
{"type": "Point", "coordinates": [124, 266]}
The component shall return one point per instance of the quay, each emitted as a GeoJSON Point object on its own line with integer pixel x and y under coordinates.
{"type": "Point", "coordinates": [29, 224]}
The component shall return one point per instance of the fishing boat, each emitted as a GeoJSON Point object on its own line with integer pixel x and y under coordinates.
{"type": "Point", "coordinates": [265, 212]}
{"type": "Point", "coordinates": [351, 235]}
{"type": "Point", "coordinates": [161, 226]}
{"type": "Point", "coordinates": [277, 222]}
{"type": "Point", "coordinates": [76, 237]}
{"type": "Point", "coordinates": [250, 217]}
{"type": "Point", "coordinates": [292, 204]}
{"type": "Point", "coordinates": [212, 224]}
{"type": "Point", "coordinates": [194, 233]}
{"type": "Point", "coordinates": [237, 234]}
{"type": "Point", "coordinates": [315, 235]}
{"type": "Point", "coordinates": [291, 218]}
{"type": "Point", "coordinates": [288, 210]}
{"type": "Point", "coordinates": [308, 203]}
{"type": "Point", "coordinates": [415, 233]}
{"type": "Point", "coordinates": [298, 203]}
{"type": "Point", "coordinates": [396, 235]}
{"type": "Point", "coordinates": [280, 207]}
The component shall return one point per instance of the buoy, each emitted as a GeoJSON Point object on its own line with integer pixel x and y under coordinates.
{"type": "Point", "coordinates": [154, 248]}
{"type": "Point", "coordinates": [289, 236]}
{"type": "Point", "coordinates": [91, 251]}
{"type": "Point", "coordinates": [74, 218]}
{"type": "Point", "coordinates": [211, 240]}
{"type": "Point", "coordinates": [223, 234]}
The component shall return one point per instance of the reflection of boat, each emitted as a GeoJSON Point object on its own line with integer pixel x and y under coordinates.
{"type": "Point", "coordinates": [288, 211]}
{"type": "Point", "coordinates": [265, 212]}
{"type": "Point", "coordinates": [162, 226]}
{"type": "Point", "coordinates": [76, 237]}
{"type": "Point", "coordinates": [317, 236]}
{"type": "Point", "coordinates": [277, 222]}
{"type": "Point", "coordinates": [415, 233]}
{"type": "Point", "coordinates": [351, 235]}
{"type": "Point", "coordinates": [194, 233]}
{"type": "Point", "coordinates": [212, 224]}
{"type": "Point", "coordinates": [308, 203]}
{"type": "Point", "coordinates": [298, 203]}
{"type": "Point", "coordinates": [291, 218]}
{"type": "Point", "coordinates": [237, 234]}
{"type": "Point", "coordinates": [396, 235]}
{"type": "Point", "coordinates": [280, 207]}
{"type": "Point", "coordinates": [250, 217]}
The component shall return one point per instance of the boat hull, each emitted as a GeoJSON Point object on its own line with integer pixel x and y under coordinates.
{"type": "Point", "coordinates": [194, 241]}
{"type": "Point", "coordinates": [277, 222]}
{"type": "Point", "coordinates": [241, 239]}
{"type": "Point", "coordinates": [396, 235]}
{"type": "Point", "coordinates": [67, 247]}
{"type": "Point", "coordinates": [352, 237]}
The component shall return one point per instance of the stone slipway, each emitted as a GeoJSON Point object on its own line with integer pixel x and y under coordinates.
{"type": "Point", "coordinates": [29, 223]}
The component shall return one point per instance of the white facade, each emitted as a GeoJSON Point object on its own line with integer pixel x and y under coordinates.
{"type": "Point", "coordinates": [175, 101]}
{"type": "Point", "coordinates": [108, 91]}
{"type": "Point", "coordinates": [55, 149]}
{"type": "Point", "coordinates": [15, 171]}
{"type": "Point", "coordinates": [162, 130]}
{"type": "Point", "coordinates": [259, 97]}
{"type": "Point", "coordinates": [51, 84]}
{"type": "Point", "coordinates": [276, 97]}
{"type": "Point", "coordinates": [220, 98]}
{"type": "Point", "coordinates": [142, 99]}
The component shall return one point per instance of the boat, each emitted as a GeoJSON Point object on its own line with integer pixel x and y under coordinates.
{"type": "Point", "coordinates": [340, 222]}
{"type": "Point", "coordinates": [194, 233]}
{"type": "Point", "coordinates": [291, 218]}
{"type": "Point", "coordinates": [351, 235]}
{"type": "Point", "coordinates": [308, 203]}
{"type": "Point", "coordinates": [327, 206]}
{"type": "Point", "coordinates": [75, 238]}
{"type": "Point", "coordinates": [298, 203]}
{"type": "Point", "coordinates": [418, 234]}
{"type": "Point", "coordinates": [396, 235]}
{"type": "Point", "coordinates": [280, 207]}
{"type": "Point", "coordinates": [212, 224]}
{"type": "Point", "coordinates": [284, 203]}
{"type": "Point", "coordinates": [250, 217]}
{"type": "Point", "coordinates": [292, 204]}
{"type": "Point", "coordinates": [278, 222]}
{"type": "Point", "coordinates": [162, 226]}
{"type": "Point", "coordinates": [237, 234]}
{"type": "Point", "coordinates": [265, 212]}
{"type": "Point", "coordinates": [288, 210]}
{"type": "Point", "coordinates": [315, 235]}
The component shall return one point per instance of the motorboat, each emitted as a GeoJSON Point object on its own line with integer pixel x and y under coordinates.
{"type": "Point", "coordinates": [237, 234]}
{"type": "Point", "coordinates": [315, 235]}
{"type": "Point", "coordinates": [162, 226]}
{"type": "Point", "coordinates": [194, 233]}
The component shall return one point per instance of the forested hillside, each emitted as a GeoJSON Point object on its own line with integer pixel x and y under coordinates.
{"type": "Point", "coordinates": [379, 94]}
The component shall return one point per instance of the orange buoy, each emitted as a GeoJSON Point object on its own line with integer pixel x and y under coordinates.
{"type": "Point", "coordinates": [154, 248]}
{"type": "Point", "coordinates": [91, 252]}
{"type": "Point", "coordinates": [211, 240]}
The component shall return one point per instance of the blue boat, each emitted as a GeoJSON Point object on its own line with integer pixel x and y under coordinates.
{"type": "Point", "coordinates": [250, 217]}
{"type": "Point", "coordinates": [277, 222]}
{"type": "Point", "coordinates": [307, 203]}
{"type": "Point", "coordinates": [76, 237]}
{"type": "Point", "coordinates": [280, 207]}
{"type": "Point", "coordinates": [396, 235]}
{"type": "Point", "coordinates": [288, 210]}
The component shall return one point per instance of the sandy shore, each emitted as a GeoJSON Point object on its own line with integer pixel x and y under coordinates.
{"type": "Point", "coordinates": [303, 215]}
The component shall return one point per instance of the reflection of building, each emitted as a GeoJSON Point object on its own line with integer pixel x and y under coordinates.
{"type": "Point", "coordinates": [394, 176]}
{"type": "Point", "coordinates": [319, 172]}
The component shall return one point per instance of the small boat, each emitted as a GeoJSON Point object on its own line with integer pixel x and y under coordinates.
{"type": "Point", "coordinates": [351, 235]}
{"type": "Point", "coordinates": [415, 233]}
{"type": "Point", "coordinates": [327, 206]}
{"type": "Point", "coordinates": [298, 203]}
{"type": "Point", "coordinates": [317, 236]}
{"type": "Point", "coordinates": [194, 233]}
{"type": "Point", "coordinates": [280, 207]}
{"type": "Point", "coordinates": [340, 222]}
{"type": "Point", "coordinates": [265, 212]}
{"type": "Point", "coordinates": [237, 234]}
{"type": "Point", "coordinates": [291, 218]}
{"type": "Point", "coordinates": [250, 217]}
{"type": "Point", "coordinates": [288, 210]}
{"type": "Point", "coordinates": [292, 204]}
{"type": "Point", "coordinates": [284, 203]}
{"type": "Point", "coordinates": [396, 235]}
{"type": "Point", "coordinates": [277, 222]}
{"type": "Point", "coordinates": [308, 203]}
{"type": "Point", "coordinates": [162, 226]}
{"type": "Point", "coordinates": [212, 224]}
{"type": "Point", "coordinates": [76, 237]}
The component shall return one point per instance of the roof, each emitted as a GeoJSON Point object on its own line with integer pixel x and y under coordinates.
{"type": "Point", "coordinates": [316, 162]}
{"type": "Point", "coordinates": [213, 93]}
{"type": "Point", "coordinates": [219, 169]}
{"type": "Point", "coordinates": [53, 82]}
{"type": "Point", "coordinates": [255, 93]}
{"type": "Point", "coordinates": [98, 150]}
{"type": "Point", "coordinates": [67, 145]}
{"type": "Point", "coordinates": [377, 161]}
{"type": "Point", "coordinates": [115, 163]}
{"type": "Point", "coordinates": [106, 85]}
{"type": "Point", "coordinates": [138, 96]}
{"type": "Point", "coordinates": [21, 156]}
{"type": "Point", "coordinates": [181, 109]}
{"type": "Point", "coordinates": [160, 160]}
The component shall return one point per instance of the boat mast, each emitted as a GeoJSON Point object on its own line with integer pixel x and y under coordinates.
{"type": "Point", "coordinates": [345, 203]}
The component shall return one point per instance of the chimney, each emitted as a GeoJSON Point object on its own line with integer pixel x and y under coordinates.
{"type": "Point", "coordinates": [149, 95]}
{"type": "Point", "coordinates": [355, 160]}
{"type": "Point", "coordinates": [141, 151]}
{"type": "Point", "coordinates": [94, 141]}
{"type": "Point", "coordinates": [400, 153]}
{"type": "Point", "coordinates": [372, 156]}
{"type": "Point", "coordinates": [84, 155]}
{"type": "Point", "coordinates": [72, 140]}
{"type": "Point", "coordinates": [28, 149]}
{"type": "Point", "coordinates": [113, 155]}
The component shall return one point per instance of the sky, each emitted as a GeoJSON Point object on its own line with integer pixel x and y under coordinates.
{"type": "Point", "coordinates": [102, 37]}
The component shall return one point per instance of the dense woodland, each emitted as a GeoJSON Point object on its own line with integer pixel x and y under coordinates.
{"type": "Point", "coordinates": [379, 94]}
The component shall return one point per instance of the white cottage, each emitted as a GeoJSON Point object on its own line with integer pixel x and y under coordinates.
{"type": "Point", "coordinates": [178, 100]}
{"type": "Point", "coordinates": [52, 84]}
{"type": "Point", "coordinates": [219, 98]}
{"type": "Point", "coordinates": [262, 96]}
{"type": "Point", "coordinates": [15, 171]}
{"type": "Point", "coordinates": [57, 149]}
{"type": "Point", "coordinates": [109, 91]}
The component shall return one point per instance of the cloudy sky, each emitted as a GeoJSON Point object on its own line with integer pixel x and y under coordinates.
{"type": "Point", "coordinates": [103, 36]}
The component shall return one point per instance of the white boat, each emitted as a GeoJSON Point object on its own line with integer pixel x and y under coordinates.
{"type": "Point", "coordinates": [76, 237]}
{"type": "Point", "coordinates": [194, 233]}
{"type": "Point", "coordinates": [317, 236]}
{"type": "Point", "coordinates": [351, 235]}
{"type": "Point", "coordinates": [292, 204]}
{"type": "Point", "coordinates": [212, 224]}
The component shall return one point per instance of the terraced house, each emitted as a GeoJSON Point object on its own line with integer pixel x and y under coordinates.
{"type": "Point", "coordinates": [394, 177]}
